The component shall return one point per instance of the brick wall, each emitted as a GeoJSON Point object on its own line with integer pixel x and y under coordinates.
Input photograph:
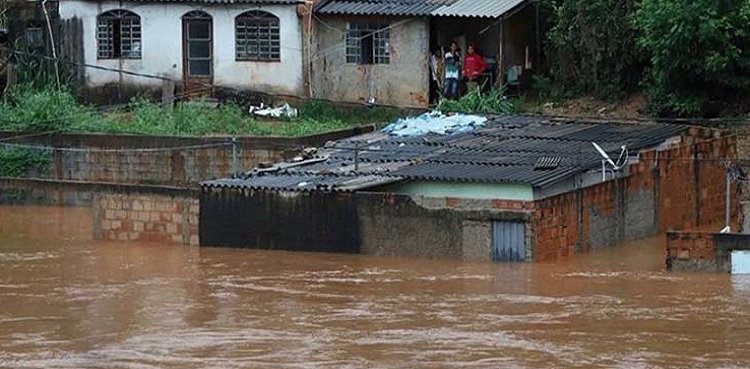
{"type": "Point", "coordinates": [146, 218]}
{"type": "Point", "coordinates": [666, 190]}
{"type": "Point", "coordinates": [691, 245]}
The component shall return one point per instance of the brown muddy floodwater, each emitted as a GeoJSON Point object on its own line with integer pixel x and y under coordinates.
{"type": "Point", "coordinates": [69, 302]}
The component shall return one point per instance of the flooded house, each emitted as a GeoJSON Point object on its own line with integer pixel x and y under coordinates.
{"type": "Point", "coordinates": [514, 188]}
{"type": "Point", "coordinates": [238, 44]}
{"type": "Point", "coordinates": [379, 50]}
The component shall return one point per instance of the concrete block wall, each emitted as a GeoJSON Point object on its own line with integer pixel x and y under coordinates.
{"type": "Point", "coordinates": [163, 167]}
{"type": "Point", "coordinates": [116, 159]}
{"type": "Point", "coordinates": [146, 218]}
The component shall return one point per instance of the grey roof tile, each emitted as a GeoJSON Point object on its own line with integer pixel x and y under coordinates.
{"type": "Point", "coordinates": [452, 8]}
{"type": "Point", "coordinates": [219, 1]}
{"type": "Point", "coordinates": [506, 150]}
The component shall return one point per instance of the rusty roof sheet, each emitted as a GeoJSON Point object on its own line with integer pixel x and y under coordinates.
{"type": "Point", "coordinates": [448, 8]}
{"type": "Point", "coordinates": [512, 149]}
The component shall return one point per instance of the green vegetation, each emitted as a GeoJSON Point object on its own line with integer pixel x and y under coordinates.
{"type": "Point", "coordinates": [18, 162]}
{"type": "Point", "coordinates": [31, 109]}
{"type": "Point", "coordinates": [476, 102]}
{"type": "Point", "coordinates": [592, 47]}
{"type": "Point", "coordinates": [699, 51]}
{"type": "Point", "coordinates": [689, 57]}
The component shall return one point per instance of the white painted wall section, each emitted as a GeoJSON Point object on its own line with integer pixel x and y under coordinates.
{"type": "Point", "coordinates": [740, 262]}
{"type": "Point", "coordinates": [161, 25]}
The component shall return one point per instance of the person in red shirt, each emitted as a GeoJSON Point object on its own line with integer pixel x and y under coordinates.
{"type": "Point", "coordinates": [474, 66]}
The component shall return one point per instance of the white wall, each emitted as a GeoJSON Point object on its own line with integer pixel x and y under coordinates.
{"type": "Point", "coordinates": [161, 25]}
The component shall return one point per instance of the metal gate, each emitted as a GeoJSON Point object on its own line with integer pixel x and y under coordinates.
{"type": "Point", "coordinates": [508, 241]}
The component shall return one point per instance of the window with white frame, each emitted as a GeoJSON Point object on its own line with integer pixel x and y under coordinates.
{"type": "Point", "coordinates": [257, 36]}
{"type": "Point", "coordinates": [368, 43]}
{"type": "Point", "coordinates": [119, 35]}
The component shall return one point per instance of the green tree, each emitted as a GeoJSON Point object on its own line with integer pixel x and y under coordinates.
{"type": "Point", "coordinates": [592, 48]}
{"type": "Point", "coordinates": [699, 53]}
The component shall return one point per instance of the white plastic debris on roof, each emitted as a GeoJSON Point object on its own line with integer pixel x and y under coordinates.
{"type": "Point", "coordinates": [434, 123]}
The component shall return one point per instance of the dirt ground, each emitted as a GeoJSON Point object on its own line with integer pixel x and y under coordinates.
{"type": "Point", "coordinates": [631, 107]}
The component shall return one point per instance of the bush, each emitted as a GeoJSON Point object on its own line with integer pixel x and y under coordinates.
{"type": "Point", "coordinates": [592, 48]}
{"type": "Point", "coordinates": [699, 50]}
{"type": "Point", "coordinates": [17, 162]}
{"type": "Point", "coordinates": [29, 109]}
{"type": "Point", "coordinates": [475, 102]}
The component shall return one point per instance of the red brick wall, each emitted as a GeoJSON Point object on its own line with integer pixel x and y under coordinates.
{"type": "Point", "coordinates": [681, 205]}
{"type": "Point", "coordinates": [691, 245]}
{"type": "Point", "coordinates": [146, 218]}
{"type": "Point", "coordinates": [555, 227]}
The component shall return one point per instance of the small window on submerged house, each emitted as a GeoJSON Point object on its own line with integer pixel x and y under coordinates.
{"type": "Point", "coordinates": [119, 35]}
{"type": "Point", "coordinates": [257, 37]}
{"type": "Point", "coordinates": [34, 35]}
{"type": "Point", "coordinates": [368, 43]}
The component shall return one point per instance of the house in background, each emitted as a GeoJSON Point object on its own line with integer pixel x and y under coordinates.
{"type": "Point", "coordinates": [379, 49]}
{"type": "Point", "coordinates": [240, 44]}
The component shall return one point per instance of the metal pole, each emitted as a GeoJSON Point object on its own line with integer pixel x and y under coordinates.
{"type": "Point", "coordinates": [356, 156]}
{"type": "Point", "coordinates": [235, 162]}
{"type": "Point", "coordinates": [604, 170]}
{"type": "Point", "coordinates": [729, 197]}
{"type": "Point", "coordinates": [51, 42]}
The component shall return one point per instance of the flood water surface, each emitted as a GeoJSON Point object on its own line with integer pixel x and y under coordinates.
{"type": "Point", "coordinates": [69, 302]}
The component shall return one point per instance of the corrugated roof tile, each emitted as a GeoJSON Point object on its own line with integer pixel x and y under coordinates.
{"type": "Point", "coordinates": [220, 1]}
{"type": "Point", "coordinates": [505, 150]}
{"type": "Point", "coordinates": [447, 8]}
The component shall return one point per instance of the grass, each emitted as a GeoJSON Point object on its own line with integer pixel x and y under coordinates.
{"type": "Point", "coordinates": [476, 102]}
{"type": "Point", "coordinates": [28, 109]}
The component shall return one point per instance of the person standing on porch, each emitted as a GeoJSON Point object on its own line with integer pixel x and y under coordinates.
{"type": "Point", "coordinates": [474, 66]}
{"type": "Point", "coordinates": [452, 71]}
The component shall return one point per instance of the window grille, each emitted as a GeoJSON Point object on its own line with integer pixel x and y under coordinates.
{"type": "Point", "coordinates": [119, 35]}
{"type": "Point", "coordinates": [368, 43]}
{"type": "Point", "coordinates": [257, 37]}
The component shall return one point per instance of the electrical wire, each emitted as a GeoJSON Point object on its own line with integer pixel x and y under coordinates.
{"type": "Point", "coordinates": [138, 150]}
{"type": "Point", "coordinates": [233, 91]}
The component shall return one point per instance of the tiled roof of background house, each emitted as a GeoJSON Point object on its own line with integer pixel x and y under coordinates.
{"type": "Point", "coordinates": [457, 8]}
{"type": "Point", "coordinates": [220, 1]}
{"type": "Point", "coordinates": [513, 149]}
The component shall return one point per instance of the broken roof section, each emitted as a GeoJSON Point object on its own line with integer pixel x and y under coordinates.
{"type": "Point", "coordinates": [448, 8]}
{"type": "Point", "coordinates": [518, 149]}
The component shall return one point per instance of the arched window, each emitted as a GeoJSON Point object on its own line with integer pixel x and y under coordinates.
{"type": "Point", "coordinates": [119, 35]}
{"type": "Point", "coordinates": [257, 36]}
{"type": "Point", "coordinates": [196, 14]}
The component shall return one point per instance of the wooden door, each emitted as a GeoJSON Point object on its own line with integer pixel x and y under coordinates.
{"type": "Point", "coordinates": [197, 54]}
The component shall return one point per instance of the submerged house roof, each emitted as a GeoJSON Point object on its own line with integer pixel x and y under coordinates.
{"type": "Point", "coordinates": [518, 149]}
{"type": "Point", "coordinates": [453, 8]}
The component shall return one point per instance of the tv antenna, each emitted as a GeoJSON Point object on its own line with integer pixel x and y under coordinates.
{"type": "Point", "coordinates": [606, 159]}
